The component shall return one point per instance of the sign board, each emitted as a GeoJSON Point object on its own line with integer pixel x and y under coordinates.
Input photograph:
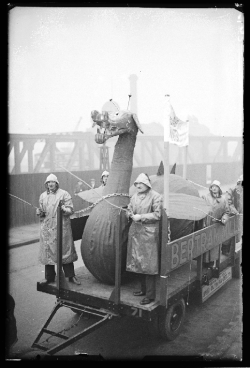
{"type": "Point", "coordinates": [215, 284]}
{"type": "Point", "coordinates": [185, 249]}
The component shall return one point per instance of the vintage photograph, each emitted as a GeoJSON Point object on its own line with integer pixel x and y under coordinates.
{"type": "Point", "coordinates": [125, 183]}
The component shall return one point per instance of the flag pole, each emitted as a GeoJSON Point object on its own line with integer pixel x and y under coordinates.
{"type": "Point", "coordinates": [185, 154]}
{"type": "Point", "coordinates": [185, 149]}
{"type": "Point", "coordinates": [165, 212]}
{"type": "Point", "coordinates": [166, 155]}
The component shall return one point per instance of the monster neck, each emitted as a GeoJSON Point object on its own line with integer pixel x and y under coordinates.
{"type": "Point", "coordinates": [121, 165]}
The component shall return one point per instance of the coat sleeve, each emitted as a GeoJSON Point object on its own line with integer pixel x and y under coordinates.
{"type": "Point", "coordinates": [155, 215]}
{"type": "Point", "coordinates": [226, 213]}
{"type": "Point", "coordinates": [68, 202]}
{"type": "Point", "coordinates": [130, 211]}
{"type": "Point", "coordinates": [230, 201]}
{"type": "Point", "coordinates": [41, 205]}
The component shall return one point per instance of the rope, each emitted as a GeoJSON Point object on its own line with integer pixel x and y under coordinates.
{"type": "Point", "coordinates": [197, 184]}
{"type": "Point", "coordinates": [22, 200]}
{"type": "Point", "coordinates": [102, 198]}
{"type": "Point", "coordinates": [207, 214]}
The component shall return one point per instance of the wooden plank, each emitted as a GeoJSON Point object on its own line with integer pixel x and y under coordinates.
{"type": "Point", "coordinates": [116, 293]}
{"type": "Point", "coordinates": [191, 246]}
{"type": "Point", "coordinates": [59, 248]}
{"type": "Point", "coordinates": [178, 280]}
{"type": "Point", "coordinates": [163, 257]}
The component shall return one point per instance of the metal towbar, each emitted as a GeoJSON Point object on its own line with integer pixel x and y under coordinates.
{"type": "Point", "coordinates": [103, 315]}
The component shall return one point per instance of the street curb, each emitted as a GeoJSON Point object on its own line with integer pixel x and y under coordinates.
{"type": "Point", "coordinates": [25, 242]}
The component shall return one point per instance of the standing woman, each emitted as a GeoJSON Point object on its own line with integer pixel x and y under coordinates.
{"type": "Point", "coordinates": [220, 211]}
{"type": "Point", "coordinates": [48, 203]}
{"type": "Point", "coordinates": [235, 201]}
{"type": "Point", "coordinates": [143, 239]}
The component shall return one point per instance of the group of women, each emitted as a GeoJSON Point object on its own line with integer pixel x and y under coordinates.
{"type": "Point", "coordinates": [144, 212]}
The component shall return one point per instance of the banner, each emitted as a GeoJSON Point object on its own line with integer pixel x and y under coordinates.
{"type": "Point", "coordinates": [178, 130]}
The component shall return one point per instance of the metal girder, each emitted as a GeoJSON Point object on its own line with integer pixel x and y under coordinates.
{"type": "Point", "coordinates": [42, 157]}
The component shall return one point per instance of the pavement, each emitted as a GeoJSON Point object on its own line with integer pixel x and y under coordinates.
{"type": "Point", "coordinates": [23, 235]}
{"type": "Point", "coordinates": [28, 234]}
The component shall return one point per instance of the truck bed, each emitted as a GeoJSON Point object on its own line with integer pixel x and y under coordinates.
{"type": "Point", "coordinates": [90, 286]}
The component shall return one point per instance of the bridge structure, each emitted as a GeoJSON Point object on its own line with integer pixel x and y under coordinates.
{"type": "Point", "coordinates": [80, 152]}
{"type": "Point", "coordinates": [33, 156]}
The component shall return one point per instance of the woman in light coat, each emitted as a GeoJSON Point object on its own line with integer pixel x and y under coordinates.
{"type": "Point", "coordinates": [48, 203]}
{"type": "Point", "coordinates": [220, 211]}
{"type": "Point", "coordinates": [234, 198]}
{"type": "Point", "coordinates": [143, 240]}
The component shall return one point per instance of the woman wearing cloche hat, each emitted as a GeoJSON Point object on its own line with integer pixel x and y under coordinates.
{"type": "Point", "coordinates": [220, 211]}
{"type": "Point", "coordinates": [104, 178]}
{"type": "Point", "coordinates": [234, 198]}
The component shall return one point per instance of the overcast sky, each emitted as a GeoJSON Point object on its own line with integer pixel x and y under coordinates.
{"type": "Point", "coordinates": [65, 62]}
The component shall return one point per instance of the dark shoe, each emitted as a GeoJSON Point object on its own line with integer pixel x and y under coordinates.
{"type": "Point", "coordinates": [74, 280]}
{"type": "Point", "coordinates": [46, 282]}
{"type": "Point", "coordinates": [215, 272]}
{"type": "Point", "coordinates": [138, 293]}
{"type": "Point", "coordinates": [146, 301]}
{"type": "Point", "coordinates": [205, 280]}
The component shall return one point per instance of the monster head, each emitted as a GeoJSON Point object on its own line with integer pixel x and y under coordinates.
{"type": "Point", "coordinates": [114, 123]}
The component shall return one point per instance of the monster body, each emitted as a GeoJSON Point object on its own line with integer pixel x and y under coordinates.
{"type": "Point", "coordinates": [99, 236]}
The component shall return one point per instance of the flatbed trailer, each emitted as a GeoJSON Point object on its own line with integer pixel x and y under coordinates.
{"type": "Point", "coordinates": [181, 275]}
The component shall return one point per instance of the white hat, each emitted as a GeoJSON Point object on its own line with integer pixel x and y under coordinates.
{"type": "Point", "coordinates": [215, 182]}
{"type": "Point", "coordinates": [240, 178]}
{"type": "Point", "coordinates": [142, 178]}
{"type": "Point", "coordinates": [105, 173]}
{"type": "Point", "coordinates": [51, 177]}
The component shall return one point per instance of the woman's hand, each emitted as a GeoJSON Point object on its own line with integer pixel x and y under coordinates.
{"type": "Point", "coordinates": [65, 210]}
{"type": "Point", "coordinates": [136, 218]}
{"type": "Point", "coordinates": [38, 212]}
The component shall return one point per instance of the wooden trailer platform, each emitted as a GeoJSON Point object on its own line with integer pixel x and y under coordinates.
{"type": "Point", "coordinates": [90, 287]}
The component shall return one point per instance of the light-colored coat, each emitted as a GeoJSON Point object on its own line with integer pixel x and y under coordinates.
{"type": "Point", "coordinates": [234, 198]}
{"type": "Point", "coordinates": [48, 203]}
{"type": "Point", "coordinates": [219, 210]}
{"type": "Point", "coordinates": [143, 238]}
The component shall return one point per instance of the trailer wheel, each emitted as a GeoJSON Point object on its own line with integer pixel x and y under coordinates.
{"type": "Point", "coordinates": [236, 269]}
{"type": "Point", "coordinates": [170, 323]}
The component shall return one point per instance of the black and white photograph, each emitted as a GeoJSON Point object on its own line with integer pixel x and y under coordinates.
{"type": "Point", "coordinates": [125, 183]}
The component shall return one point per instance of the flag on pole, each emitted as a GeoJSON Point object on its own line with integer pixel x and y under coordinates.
{"type": "Point", "coordinates": [176, 130]}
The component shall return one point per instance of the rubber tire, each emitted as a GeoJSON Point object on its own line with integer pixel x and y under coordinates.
{"type": "Point", "coordinates": [236, 269]}
{"type": "Point", "coordinates": [166, 331]}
